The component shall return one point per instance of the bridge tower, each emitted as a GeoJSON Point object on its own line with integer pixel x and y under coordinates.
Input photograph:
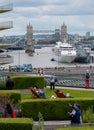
{"type": "Point", "coordinates": [30, 45]}
{"type": "Point", "coordinates": [64, 35]}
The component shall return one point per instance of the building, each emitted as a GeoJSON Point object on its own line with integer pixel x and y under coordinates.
{"type": "Point", "coordinates": [8, 24]}
{"type": "Point", "coordinates": [87, 35]}
{"type": "Point", "coordinates": [29, 36]}
{"type": "Point", "coordinates": [64, 35]}
{"type": "Point", "coordinates": [4, 58]}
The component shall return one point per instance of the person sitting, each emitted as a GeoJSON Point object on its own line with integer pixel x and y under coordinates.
{"type": "Point", "coordinates": [60, 94]}
{"type": "Point", "coordinates": [39, 93]}
{"type": "Point", "coordinates": [35, 92]}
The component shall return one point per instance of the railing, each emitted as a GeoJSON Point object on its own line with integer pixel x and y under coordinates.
{"type": "Point", "coordinates": [6, 25]}
{"type": "Point", "coordinates": [5, 8]}
{"type": "Point", "coordinates": [71, 82]}
{"type": "Point", "coordinates": [62, 81]}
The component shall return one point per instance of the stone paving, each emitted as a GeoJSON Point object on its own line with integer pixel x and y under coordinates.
{"type": "Point", "coordinates": [52, 125]}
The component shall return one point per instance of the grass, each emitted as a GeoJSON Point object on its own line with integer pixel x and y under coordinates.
{"type": "Point", "coordinates": [78, 128]}
{"type": "Point", "coordinates": [74, 93]}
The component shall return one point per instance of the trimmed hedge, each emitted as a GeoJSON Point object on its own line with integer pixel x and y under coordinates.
{"type": "Point", "coordinates": [25, 82]}
{"type": "Point", "coordinates": [16, 124]}
{"type": "Point", "coordinates": [2, 85]}
{"type": "Point", "coordinates": [52, 109]}
{"type": "Point", "coordinates": [12, 94]}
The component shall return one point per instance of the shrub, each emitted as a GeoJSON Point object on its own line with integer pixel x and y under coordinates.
{"type": "Point", "coordinates": [52, 109]}
{"type": "Point", "coordinates": [13, 97]}
{"type": "Point", "coordinates": [88, 115]}
{"type": "Point", "coordinates": [25, 82]}
{"type": "Point", "coordinates": [16, 124]}
{"type": "Point", "coordinates": [41, 121]}
{"type": "Point", "coordinates": [2, 85]}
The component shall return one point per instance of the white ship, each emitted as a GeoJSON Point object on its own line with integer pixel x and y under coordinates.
{"type": "Point", "coordinates": [64, 52]}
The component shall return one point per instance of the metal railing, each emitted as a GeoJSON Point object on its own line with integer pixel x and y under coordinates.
{"type": "Point", "coordinates": [6, 25]}
{"type": "Point", "coordinates": [5, 8]}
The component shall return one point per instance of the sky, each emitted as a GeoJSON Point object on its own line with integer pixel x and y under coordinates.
{"type": "Point", "coordinates": [78, 15]}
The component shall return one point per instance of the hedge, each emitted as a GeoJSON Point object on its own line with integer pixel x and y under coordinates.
{"type": "Point", "coordinates": [2, 85]}
{"type": "Point", "coordinates": [11, 94]}
{"type": "Point", "coordinates": [52, 109]}
{"type": "Point", "coordinates": [16, 124]}
{"type": "Point", "coordinates": [25, 82]}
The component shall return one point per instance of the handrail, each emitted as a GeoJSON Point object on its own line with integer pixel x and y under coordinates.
{"type": "Point", "coordinates": [5, 25]}
{"type": "Point", "coordinates": [5, 8]}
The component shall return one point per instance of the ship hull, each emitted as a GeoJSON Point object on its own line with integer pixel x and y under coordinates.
{"type": "Point", "coordinates": [65, 58]}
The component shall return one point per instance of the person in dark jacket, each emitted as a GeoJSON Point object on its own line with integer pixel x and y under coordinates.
{"type": "Point", "coordinates": [9, 112]}
{"type": "Point", "coordinates": [52, 81]}
{"type": "Point", "coordinates": [87, 79]}
{"type": "Point", "coordinates": [75, 115]}
{"type": "Point", "coordinates": [9, 83]}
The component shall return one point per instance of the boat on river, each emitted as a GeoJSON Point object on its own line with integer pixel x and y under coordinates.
{"type": "Point", "coordinates": [83, 54]}
{"type": "Point", "coordinates": [64, 52]}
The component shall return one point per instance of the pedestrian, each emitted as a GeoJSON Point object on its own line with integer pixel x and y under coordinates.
{"type": "Point", "coordinates": [52, 81]}
{"type": "Point", "coordinates": [41, 72]}
{"type": "Point", "coordinates": [75, 115]}
{"type": "Point", "coordinates": [9, 112]}
{"type": "Point", "coordinates": [72, 113]}
{"type": "Point", "coordinates": [87, 79]}
{"type": "Point", "coordinates": [9, 83]}
{"type": "Point", "coordinates": [78, 115]}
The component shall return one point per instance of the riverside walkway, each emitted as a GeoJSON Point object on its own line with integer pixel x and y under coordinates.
{"type": "Point", "coordinates": [67, 76]}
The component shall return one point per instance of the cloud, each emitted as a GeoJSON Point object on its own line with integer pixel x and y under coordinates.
{"type": "Point", "coordinates": [78, 15]}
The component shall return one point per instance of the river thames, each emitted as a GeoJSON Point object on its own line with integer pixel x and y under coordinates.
{"type": "Point", "coordinates": [41, 59]}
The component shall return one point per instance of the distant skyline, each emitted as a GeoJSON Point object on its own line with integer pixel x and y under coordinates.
{"type": "Point", "coordinates": [78, 15]}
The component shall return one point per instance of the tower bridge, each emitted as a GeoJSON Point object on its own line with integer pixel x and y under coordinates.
{"type": "Point", "coordinates": [43, 31]}
{"type": "Point", "coordinates": [30, 44]}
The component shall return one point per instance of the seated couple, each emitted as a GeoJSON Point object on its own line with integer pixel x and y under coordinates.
{"type": "Point", "coordinates": [39, 93]}
{"type": "Point", "coordinates": [62, 95]}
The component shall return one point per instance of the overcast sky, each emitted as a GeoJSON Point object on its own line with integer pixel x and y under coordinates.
{"type": "Point", "coordinates": [78, 15]}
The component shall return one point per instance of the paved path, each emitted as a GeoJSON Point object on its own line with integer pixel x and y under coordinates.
{"type": "Point", "coordinates": [52, 125]}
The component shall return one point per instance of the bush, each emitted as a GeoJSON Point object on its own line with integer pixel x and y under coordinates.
{"type": "Point", "coordinates": [16, 124]}
{"type": "Point", "coordinates": [2, 85]}
{"type": "Point", "coordinates": [12, 97]}
{"type": "Point", "coordinates": [52, 109]}
{"type": "Point", "coordinates": [25, 82]}
{"type": "Point", "coordinates": [88, 115]}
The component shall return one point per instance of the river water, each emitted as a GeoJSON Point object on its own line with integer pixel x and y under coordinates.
{"type": "Point", "coordinates": [41, 59]}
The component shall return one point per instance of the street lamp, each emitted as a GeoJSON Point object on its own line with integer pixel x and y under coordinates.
{"type": "Point", "coordinates": [19, 59]}
{"type": "Point", "coordinates": [58, 59]}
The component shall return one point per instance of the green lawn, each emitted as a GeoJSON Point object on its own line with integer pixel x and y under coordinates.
{"type": "Point", "coordinates": [78, 128]}
{"type": "Point", "coordinates": [73, 93]}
